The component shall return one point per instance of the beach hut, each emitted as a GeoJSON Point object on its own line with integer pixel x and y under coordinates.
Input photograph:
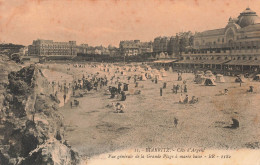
{"type": "Point", "coordinates": [155, 71]}
{"type": "Point", "coordinates": [143, 78]}
{"type": "Point", "coordinates": [200, 72]}
{"type": "Point", "coordinates": [211, 76]}
{"type": "Point", "coordinates": [199, 78]}
{"type": "Point", "coordinates": [240, 78]}
{"type": "Point", "coordinates": [162, 70]}
{"type": "Point", "coordinates": [220, 78]}
{"type": "Point", "coordinates": [150, 75]}
{"type": "Point", "coordinates": [257, 77]}
{"type": "Point", "coordinates": [208, 72]}
{"type": "Point", "coordinates": [158, 77]}
{"type": "Point", "coordinates": [163, 73]}
{"type": "Point", "coordinates": [209, 82]}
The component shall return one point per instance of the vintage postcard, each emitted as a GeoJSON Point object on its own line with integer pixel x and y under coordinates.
{"type": "Point", "coordinates": [130, 82]}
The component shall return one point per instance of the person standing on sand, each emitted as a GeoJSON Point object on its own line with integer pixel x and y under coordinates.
{"type": "Point", "coordinates": [164, 85]}
{"type": "Point", "coordinates": [186, 100]}
{"type": "Point", "coordinates": [185, 88]}
{"type": "Point", "coordinates": [175, 122]}
{"type": "Point", "coordinates": [64, 96]}
{"type": "Point", "coordinates": [173, 88]}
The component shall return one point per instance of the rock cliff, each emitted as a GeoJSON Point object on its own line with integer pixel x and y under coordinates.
{"type": "Point", "coordinates": [31, 129]}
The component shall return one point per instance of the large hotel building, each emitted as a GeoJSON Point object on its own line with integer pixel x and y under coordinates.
{"type": "Point", "coordinates": [50, 48]}
{"type": "Point", "coordinates": [236, 47]}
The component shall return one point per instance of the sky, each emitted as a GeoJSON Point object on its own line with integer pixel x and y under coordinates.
{"type": "Point", "coordinates": [104, 22]}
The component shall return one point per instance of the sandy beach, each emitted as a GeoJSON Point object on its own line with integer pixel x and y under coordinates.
{"type": "Point", "coordinates": [92, 128]}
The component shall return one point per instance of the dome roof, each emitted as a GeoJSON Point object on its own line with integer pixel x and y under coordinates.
{"type": "Point", "coordinates": [248, 17]}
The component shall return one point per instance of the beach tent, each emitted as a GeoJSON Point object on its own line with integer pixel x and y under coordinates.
{"type": "Point", "coordinates": [155, 71]}
{"type": "Point", "coordinates": [158, 77]}
{"type": "Point", "coordinates": [209, 82]}
{"type": "Point", "coordinates": [199, 78]}
{"type": "Point", "coordinates": [211, 76]}
{"type": "Point", "coordinates": [257, 77]}
{"type": "Point", "coordinates": [162, 70]}
{"type": "Point", "coordinates": [163, 73]}
{"type": "Point", "coordinates": [170, 69]}
{"type": "Point", "coordinates": [150, 75]}
{"type": "Point", "coordinates": [137, 67]}
{"type": "Point", "coordinates": [220, 78]}
{"type": "Point", "coordinates": [200, 72]}
{"type": "Point", "coordinates": [208, 72]}
{"type": "Point", "coordinates": [143, 78]}
{"type": "Point", "coordinates": [240, 78]}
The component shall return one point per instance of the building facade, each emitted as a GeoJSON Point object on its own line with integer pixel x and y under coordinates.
{"type": "Point", "coordinates": [135, 47]}
{"type": "Point", "coordinates": [50, 48]}
{"type": "Point", "coordinates": [97, 50]}
{"type": "Point", "coordinates": [240, 33]}
{"type": "Point", "coordinates": [146, 47]}
{"type": "Point", "coordinates": [82, 48]}
{"type": "Point", "coordinates": [113, 51]}
{"type": "Point", "coordinates": [10, 48]}
{"type": "Point", "coordinates": [236, 47]}
{"type": "Point", "coordinates": [129, 48]}
{"type": "Point", "coordinates": [161, 44]}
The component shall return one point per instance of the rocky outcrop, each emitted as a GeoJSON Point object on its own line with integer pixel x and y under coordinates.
{"type": "Point", "coordinates": [31, 129]}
